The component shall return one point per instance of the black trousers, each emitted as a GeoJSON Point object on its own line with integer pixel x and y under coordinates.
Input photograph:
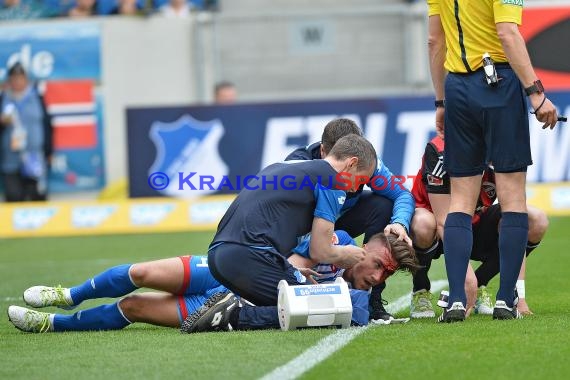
{"type": "Point", "coordinates": [251, 273]}
{"type": "Point", "coordinates": [19, 189]}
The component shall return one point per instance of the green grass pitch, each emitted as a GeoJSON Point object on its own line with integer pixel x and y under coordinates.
{"type": "Point", "coordinates": [537, 347]}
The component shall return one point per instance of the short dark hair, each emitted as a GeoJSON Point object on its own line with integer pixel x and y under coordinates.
{"type": "Point", "coordinates": [223, 84]}
{"type": "Point", "coordinates": [355, 146]}
{"type": "Point", "coordinates": [17, 68]}
{"type": "Point", "coordinates": [402, 252]}
{"type": "Point", "coordinates": [336, 129]}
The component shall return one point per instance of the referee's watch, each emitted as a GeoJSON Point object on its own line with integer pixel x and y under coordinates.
{"type": "Point", "coordinates": [535, 88]}
{"type": "Point", "coordinates": [439, 103]}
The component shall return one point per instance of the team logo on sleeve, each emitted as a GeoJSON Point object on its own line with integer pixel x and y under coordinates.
{"type": "Point", "coordinates": [434, 181]}
{"type": "Point", "coordinates": [299, 277]}
{"type": "Point", "coordinates": [341, 200]}
{"type": "Point", "coordinates": [435, 178]}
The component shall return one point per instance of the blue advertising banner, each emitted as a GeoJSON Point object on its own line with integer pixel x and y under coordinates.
{"type": "Point", "coordinates": [208, 143]}
{"type": "Point", "coordinates": [60, 50]}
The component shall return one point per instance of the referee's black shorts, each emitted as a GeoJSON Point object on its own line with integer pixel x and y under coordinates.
{"type": "Point", "coordinates": [485, 125]}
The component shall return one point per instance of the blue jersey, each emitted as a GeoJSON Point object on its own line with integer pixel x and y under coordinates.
{"type": "Point", "coordinates": [278, 206]}
{"type": "Point", "coordinates": [329, 272]}
{"type": "Point", "coordinates": [382, 183]}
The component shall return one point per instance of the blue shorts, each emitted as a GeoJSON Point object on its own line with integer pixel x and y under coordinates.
{"type": "Point", "coordinates": [198, 285]}
{"type": "Point", "coordinates": [485, 125]}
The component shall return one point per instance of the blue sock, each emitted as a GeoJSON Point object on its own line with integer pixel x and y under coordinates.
{"type": "Point", "coordinates": [104, 317]}
{"type": "Point", "coordinates": [513, 235]}
{"type": "Point", "coordinates": [114, 282]}
{"type": "Point", "coordinates": [457, 245]}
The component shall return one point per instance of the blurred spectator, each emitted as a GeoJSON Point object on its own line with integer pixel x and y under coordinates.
{"type": "Point", "coordinates": [24, 9]}
{"type": "Point", "coordinates": [126, 7]}
{"type": "Point", "coordinates": [225, 93]}
{"type": "Point", "coordinates": [176, 9]}
{"type": "Point", "coordinates": [83, 8]}
{"type": "Point", "coordinates": [25, 138]}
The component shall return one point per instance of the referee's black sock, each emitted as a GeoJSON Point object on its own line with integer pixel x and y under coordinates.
{"type": "Point", "coordinates": [421, 278]}
{"type": "Point", "coordinates": [513, 235]}
{"type": "Point", "coordinates": [457, 244]}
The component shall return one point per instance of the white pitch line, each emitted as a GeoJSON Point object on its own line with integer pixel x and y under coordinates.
{"type": "Point", "coordinates": [10, 299]}
{"type": "Point", "coordinates": [334, 342]}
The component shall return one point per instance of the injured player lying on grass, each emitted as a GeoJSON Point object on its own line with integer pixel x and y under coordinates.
{"type": "Point", "coordinates": [188, 292]}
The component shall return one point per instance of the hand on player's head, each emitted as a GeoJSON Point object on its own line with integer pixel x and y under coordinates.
{"type": "Point", "coordinates": [399, 231]}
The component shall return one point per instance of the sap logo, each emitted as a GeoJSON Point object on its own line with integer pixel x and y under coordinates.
{"type": "Point", "coordinates": [41, 64]}
{"type": "Point", "coordinates": [560, 198]}
{"type": "Point", "coordinates": [90, 216]}
{"type": "Point", "coordinates": [32, 218]}
{"type": "Point", "coordinates": [208, 212]}
{"type": "Point", "coordinates": [149, 214]}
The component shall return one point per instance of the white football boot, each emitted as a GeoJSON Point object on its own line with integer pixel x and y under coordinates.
{"type": "Point", "coordinates": [42, 296]}
{"type": "Point", "coordinates": [30, 320]}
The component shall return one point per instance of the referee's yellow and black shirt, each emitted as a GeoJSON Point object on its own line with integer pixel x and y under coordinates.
{"type": "Point", "coordinates": [470, 30]}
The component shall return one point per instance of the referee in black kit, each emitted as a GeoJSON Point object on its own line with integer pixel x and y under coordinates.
{"type": "Point", "coordinates": [484, 111]}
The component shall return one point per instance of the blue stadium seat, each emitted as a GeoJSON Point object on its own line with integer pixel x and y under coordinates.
{"type": "Point", "coordinates": [104, 7]}
{"type": "Point", "coordinates": [60, 7]}
{"type": "Point", "coordinates": [199, 4]}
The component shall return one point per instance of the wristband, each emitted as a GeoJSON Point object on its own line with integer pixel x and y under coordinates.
{"type": "Point", "coordinates": [540, 106]}
{"type": "Point", "coordinates": [521, 288]}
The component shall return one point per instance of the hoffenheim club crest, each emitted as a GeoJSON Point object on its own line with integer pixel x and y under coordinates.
{"type": "Point", "coordinates": [186, 146]}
